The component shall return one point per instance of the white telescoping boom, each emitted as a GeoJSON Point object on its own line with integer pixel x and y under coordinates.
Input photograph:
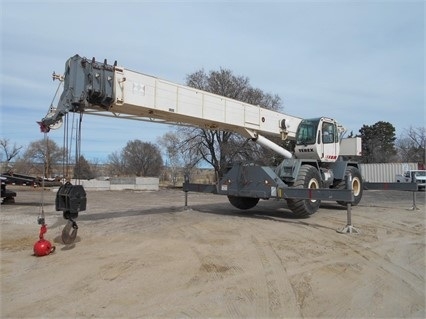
{"type": "Point", "coordinates": [109, 90]}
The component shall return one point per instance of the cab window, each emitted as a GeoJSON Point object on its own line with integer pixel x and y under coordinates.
{"type": "Point", "coordinates": [307, 132]}
{"type": "Point", "coordinates": [328, 133]}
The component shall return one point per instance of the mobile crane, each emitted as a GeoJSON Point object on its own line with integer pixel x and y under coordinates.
{"type": "Point", "coordinates": [318, 162]}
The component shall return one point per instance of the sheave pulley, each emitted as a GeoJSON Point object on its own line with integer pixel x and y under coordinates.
{"type": "Point", "coordinates": [70, 199]}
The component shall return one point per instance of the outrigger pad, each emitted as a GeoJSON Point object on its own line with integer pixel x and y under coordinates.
{"type": "Point", "coordinates": [71, 199]}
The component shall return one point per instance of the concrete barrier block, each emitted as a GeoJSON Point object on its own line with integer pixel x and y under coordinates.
{"type": "Point", "coordinates": [147, 187]}
{"type": "Point", "coordinates": [122, 180]}
{"type": "Point", "coordinates": [93, 184]}
{"type": "Point", "coordinates": [122, 187]}
{"type": "Point", "coordinates": [121, 183]}
{"type": "Point", "coordinates": [96, 185]}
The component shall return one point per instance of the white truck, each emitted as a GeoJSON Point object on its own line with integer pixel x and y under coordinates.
{"type": "Point", "coordinates": [316, 171]}
{"type": "Point", "coordinates": [413, 176]}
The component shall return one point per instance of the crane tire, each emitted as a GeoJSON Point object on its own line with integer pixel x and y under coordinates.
{"type": "Point", "coordinates": [308, 177]}
{"type": "Point", "coordinates": [243, 202]}
{"type": "Point", "coordinates": [357, 185]}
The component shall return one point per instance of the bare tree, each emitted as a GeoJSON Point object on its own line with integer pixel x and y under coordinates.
{"type": "Point", "coordinates": [44, 151]}
{"type": "Point", "coordinates": [411, 145]}
{"type": "Point", "coordinates": [180, 153]}
{"type": "Point", "coordinates": [171, 146]}
{"type": "Point", "coordinates": [142, 158]}
{"type": "Point", "coordinates": [9, 151]}
{"type": "Point", "coordinates": [116, 164]}
{"type": "Point", "coordinates": [96, 167]}
{"type": "Point", "coordinates": [24, 166]}
{"type": "Point", "coordinates": [137, 158]}
{"type": "Point", "coordinates": [220, 148]}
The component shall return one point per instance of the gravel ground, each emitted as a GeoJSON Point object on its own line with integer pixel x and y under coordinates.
{"type": "Point", "coordinates": [141, 254]}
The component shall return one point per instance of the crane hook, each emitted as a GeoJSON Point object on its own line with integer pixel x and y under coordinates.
{"type": "Point", "coordinates": [69, 233]}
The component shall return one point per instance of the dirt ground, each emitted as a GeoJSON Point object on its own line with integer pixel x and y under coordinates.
{"type": "Point", "coordinates": [141, 254]}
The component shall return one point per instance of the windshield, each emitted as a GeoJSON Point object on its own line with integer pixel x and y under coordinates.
{"type": "Point", "coordinates": [307, 132]}
{"type": "Point", "coordinates": [421, 173]}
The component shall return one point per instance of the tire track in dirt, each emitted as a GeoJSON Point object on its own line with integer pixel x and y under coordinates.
{"type": "Point", "coordinates": [341, 258]}
{"type": "Point", "coordinates": [156, 261]}
{"type": "Point", "coordinates": [281, 297]}
{"type": "Point", "coordinates": [269, 293]}
{"type": "Point", "coordinates": [364, 248]}
{"type": "Point", "coordinates": [372, 250]}
{"type": "Point", "coordinates": [215, 270]}
{"type": "Point", "coordinates": [370, 225]}
{"type": "Point", "coordinates": [357, 258]}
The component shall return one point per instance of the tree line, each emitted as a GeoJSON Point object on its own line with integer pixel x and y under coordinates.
{"type": "Point", "coordinates": [186, 147]}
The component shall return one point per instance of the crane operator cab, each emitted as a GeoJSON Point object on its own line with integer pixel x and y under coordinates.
{"type": "Point", "coordinates": [318, 139]}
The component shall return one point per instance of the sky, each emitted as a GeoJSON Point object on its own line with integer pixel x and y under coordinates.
{"type": "Point", "coordinates": [358, 62]}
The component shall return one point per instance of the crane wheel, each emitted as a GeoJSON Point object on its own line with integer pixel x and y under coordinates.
{"type": "Point", "coordinates": [308, 177]}
{"type": "Point", "coordinates": [357, 185]}
{"type": "Point", "coordinates": [243, 202]}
